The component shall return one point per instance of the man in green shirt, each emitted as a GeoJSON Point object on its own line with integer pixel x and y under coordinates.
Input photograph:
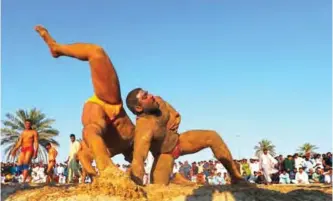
{"type": "Point", "coordinates": [288, 164]}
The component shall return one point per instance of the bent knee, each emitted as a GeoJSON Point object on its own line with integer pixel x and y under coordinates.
{"type": "Point", "coordinates": [91, 130]}
{"type": "Point", "coordinates": [98, 53]}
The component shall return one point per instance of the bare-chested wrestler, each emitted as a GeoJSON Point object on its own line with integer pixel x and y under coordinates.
{"type": "Point", "coordinates": [28, 142]}
{"type": "Point", "coordinates": [108, 130]}
{"type": "Point", "coordinates": [157, 130]}
{"type": "Point", "coordinates": [52, 153]}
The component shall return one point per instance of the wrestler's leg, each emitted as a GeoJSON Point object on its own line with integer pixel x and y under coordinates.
{"type": "Point", "coordinates": [25, 164]}
{"type": "Point", "coordinates": [49, 172]}
{"type": "Point", "coordinates": [195, 140]}
{"type": "Point", "coordinates": [104, 77]}
{"type": "Point", "coordinates": [85, 157]}
{"type": "Point", "coordinates": [162, 169]}
{"type": "Point", "coordinates": [93, 119]}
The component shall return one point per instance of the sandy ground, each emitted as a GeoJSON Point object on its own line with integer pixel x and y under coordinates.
{"type": "Point", "coordinates": [106, 192]}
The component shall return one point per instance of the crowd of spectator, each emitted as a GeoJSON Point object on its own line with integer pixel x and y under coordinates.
{"type": "Point", "coordinates": [293, 169]}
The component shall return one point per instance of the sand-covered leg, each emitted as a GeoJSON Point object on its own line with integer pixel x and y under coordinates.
{"type": "Point", "coordinates": [195, 140]}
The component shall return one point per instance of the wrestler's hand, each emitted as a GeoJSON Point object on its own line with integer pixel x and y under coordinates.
{"type": "Point", "coordinates": [13, 153]}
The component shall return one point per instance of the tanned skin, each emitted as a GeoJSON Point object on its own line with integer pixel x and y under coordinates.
{"type": "Point", "coordinates": [149, 124]}
{"type": "Point", "coordinates": [52, 153]}
{"type": "Point", "coordinates": [103, 137]}
{"type": "Point", "coordinates": [28, 142]}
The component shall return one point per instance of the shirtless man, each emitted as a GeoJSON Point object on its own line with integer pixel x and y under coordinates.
{"type": "Point", "coordinates": [157, 130]}
{"type": "Point", "coordinates": [107, 129]}
{"type": "Point", "coordinates": [52, 152]}
{"type": "Point", "coordinates": [28, 142]}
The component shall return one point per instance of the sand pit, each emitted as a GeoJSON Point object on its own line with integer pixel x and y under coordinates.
{"type": "Point", "coordinates": [105, 192]}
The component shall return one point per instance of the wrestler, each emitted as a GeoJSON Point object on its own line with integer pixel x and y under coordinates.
{"type": "Point", "coordinates": [107, 129]}
{"type": "Point", "coordinates": [52, 153]}
{"type": "Point", "coordinates": [28, 142]}
{"type": "Point", "coordinates": [157, 130]}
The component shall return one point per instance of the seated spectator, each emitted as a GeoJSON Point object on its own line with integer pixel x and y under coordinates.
{"type": "Point", "coordinates": [308, 163]}
{"type": "Point", "coordinates": [317, 176]}
{"type": "Point", "coordinates": [227, 178]}
{"type": "Point", "coordinates": [201, 179]}
{"type": "Point", "coordinates": [328, 177]}
{"type": "Point", "coordinates": [3, 177]}
{"type": "Point", "coordinates": [284, 177]}
{"type": "Point", "coordinates": [253, 177]}
{"type": "Point", "coordinates": [261, 178]}
{"type": "Point", "coordinates": [292, 174]}
{"type": "Point", "coordinates": [301, 177]}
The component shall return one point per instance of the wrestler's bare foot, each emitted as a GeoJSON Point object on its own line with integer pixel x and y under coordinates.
{"type": "Point", "coordinates": [51, 43]}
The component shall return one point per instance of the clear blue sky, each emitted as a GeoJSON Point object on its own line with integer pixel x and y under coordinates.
{"type": "Point", "coordinates": [258, 69]}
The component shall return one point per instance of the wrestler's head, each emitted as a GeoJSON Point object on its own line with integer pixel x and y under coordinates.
{"type": "Point", "coordinates": [48, 146]}
{"type": "Point", "coordinates": [27, 124]}
{"type": "Point", "coordinates": [140, 101]}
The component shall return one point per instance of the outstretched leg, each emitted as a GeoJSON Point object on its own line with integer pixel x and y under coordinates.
{"type": "Point", "coordinates": [104, 76]}
{"type": "Point", "coordinates": [195, 140]}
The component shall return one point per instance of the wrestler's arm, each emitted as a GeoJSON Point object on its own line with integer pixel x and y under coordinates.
{"type": "Point", "coordinates": [142, 141]}
{"type": "Point", "coordinates": [35, 144]}
{"type": "Point", "coordinates": [17, 145]}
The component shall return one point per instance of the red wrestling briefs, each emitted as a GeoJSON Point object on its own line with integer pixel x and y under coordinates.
{"type": "Point", "coordinates": [26, 149]}
{"type": "Point", "coordinates": [176, 151]}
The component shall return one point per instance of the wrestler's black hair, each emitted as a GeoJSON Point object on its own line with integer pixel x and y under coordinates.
{"type": "Point", "coordinates": [131, 100]}
{"type": "Point", "coordinates": [28, 120]}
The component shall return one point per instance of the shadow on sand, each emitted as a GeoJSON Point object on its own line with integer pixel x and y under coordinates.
{"type": "Point", "coordinates": [249, 192]}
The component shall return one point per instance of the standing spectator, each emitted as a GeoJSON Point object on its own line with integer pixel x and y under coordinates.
{"type": "Point", "coordinates": [318, 161]}
{"type": "Point", "coordinates": [187, 170]}
{"type": "Point", "coordinates": [175, 168]}
{"type": "Point", "coordinates": [289, 164]}
{"type": "Point", "coordinates": [308, 163]}
{"type": "Point", "coordinates": [206, 170]}
{"type": "Point", "coordinates": [246, 169]}
{"type": "Point", "coordinates": [73, 165]}
{"type": "Point", "coordinates": [200, 167]}
{"type": "Point", "coordinates": [328, 161]}
{"type": "Point", "coordinates": [284, 177]}
{"type": "Point", "coordinates": [299, 161]}
{"type": "Point", "coordinates": [226, 178]}
{"type": "Point", "coordinates": [267, 163]}
{"type": "Point", "coordinates": [279, 164]}
{"type": "Point", "coordinates": [219, 167]}
{"type": "Point", "coordinates": [195, 168]}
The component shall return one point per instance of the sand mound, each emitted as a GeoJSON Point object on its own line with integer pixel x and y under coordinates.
{"type": "Point", "coordinates": [105, 192]}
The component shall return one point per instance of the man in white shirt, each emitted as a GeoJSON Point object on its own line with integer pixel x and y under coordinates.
{"type": "Point", "coordinates": [299, 161]}
{"type": "Point", "coordinates": [301, 177]}
{"type": "Point", "coordinates": [220, 168]}
{"type": "Point", "coordinates": [254, 165]}
{"type": "Point", "coordinates": [267, 163]}
{"type": "Point", "coordinates": [73, 165]}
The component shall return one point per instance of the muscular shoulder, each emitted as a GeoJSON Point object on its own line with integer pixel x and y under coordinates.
{"type": "Point", "coordinates": [144, 122]}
